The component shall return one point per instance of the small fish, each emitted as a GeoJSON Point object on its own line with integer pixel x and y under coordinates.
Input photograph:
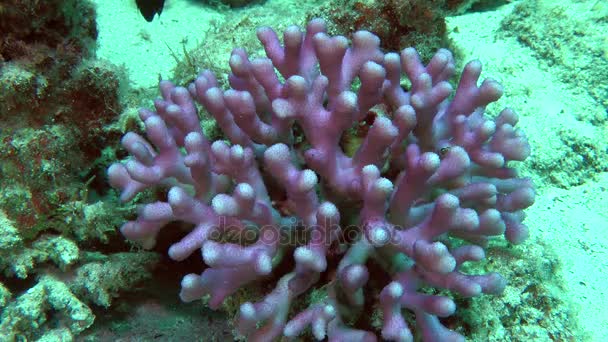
{"type": "Point", "coordinates": [149, 8]}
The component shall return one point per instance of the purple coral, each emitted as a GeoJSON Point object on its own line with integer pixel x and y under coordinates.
{"type": "Point", "coordinates": [285, 172]}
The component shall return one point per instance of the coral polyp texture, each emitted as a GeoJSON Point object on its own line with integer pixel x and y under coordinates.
{"type": "Point", "coordinates": [332, 178]}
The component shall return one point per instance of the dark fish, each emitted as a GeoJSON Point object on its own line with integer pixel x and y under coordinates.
{"type": "Point", "coordinates": [149, 8]}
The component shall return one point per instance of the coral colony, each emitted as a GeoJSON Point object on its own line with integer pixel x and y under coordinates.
{"type": "Point", "coordinates": [425, 187]}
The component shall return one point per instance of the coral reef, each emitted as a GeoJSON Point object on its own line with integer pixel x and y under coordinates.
{"type": "Point", "coordinates": [29, 312]}
{"type": "Point", "coordinates": [67, 279]}
{"type": "Point", "coordinates": [428, 184]}
{"type": "Point", "coordinates": [55, 103]}
{"type": "Point", "coordinates": [398, 24]}
{"type": "Point", "coordinates": [46, 32]}
{"type": "Point", "coordinates": [20, 258]}
{"type": "Point", "coordinates": [101, 277]}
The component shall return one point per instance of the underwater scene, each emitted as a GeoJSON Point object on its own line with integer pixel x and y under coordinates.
{"type": "Point", "coordinates": [280, 170]}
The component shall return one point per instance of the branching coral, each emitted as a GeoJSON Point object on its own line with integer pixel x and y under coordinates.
{"type": "Point", "coordinates": [426, 189]}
